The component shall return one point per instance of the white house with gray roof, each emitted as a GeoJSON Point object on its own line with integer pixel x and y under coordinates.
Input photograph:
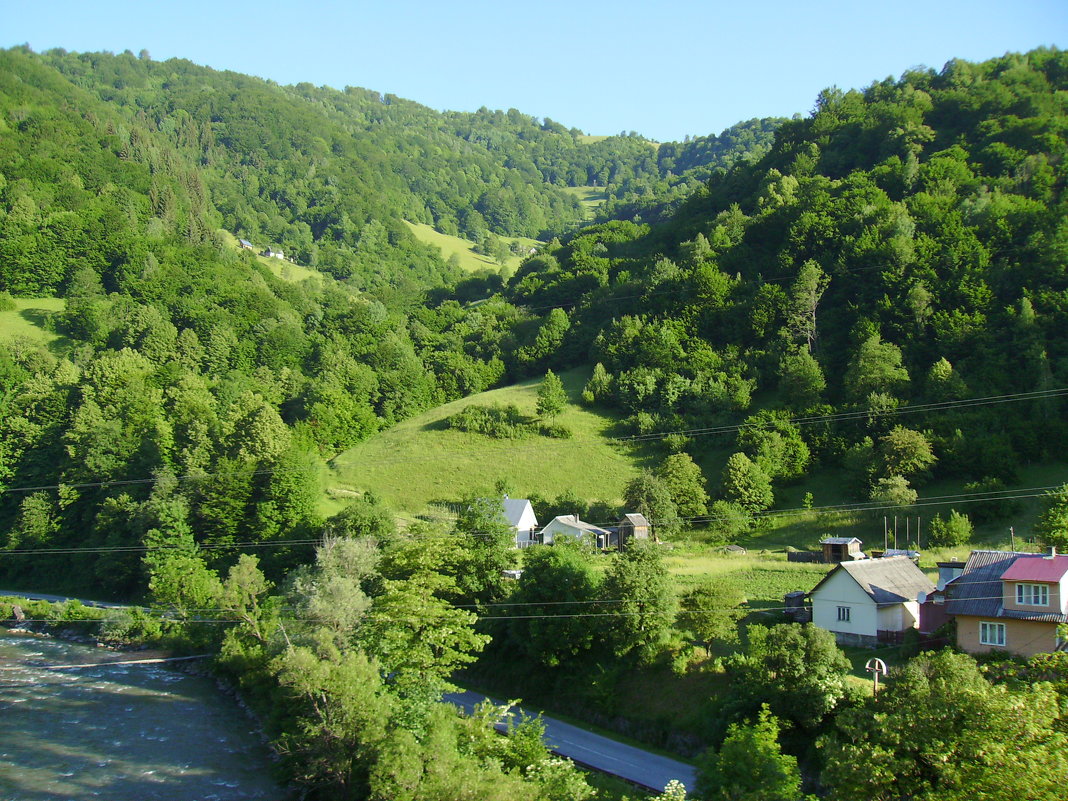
{"type": "Point", "coordinates": [866, 600]}
{"type": "Point", "coordinates": [521, 518]}
{"type": "Point", "coordinates": [571, 526]}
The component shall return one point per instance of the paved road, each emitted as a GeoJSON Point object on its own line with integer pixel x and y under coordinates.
{"type": "Point", "coordinates": [601, 753]}
{"type": "Point", "coordinates": [592, 750]}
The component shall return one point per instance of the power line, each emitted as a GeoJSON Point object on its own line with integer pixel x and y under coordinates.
{"type": "Point", "coordinates": [859, 414]}
{"type": "Point", "coordinates": [1022, 493]}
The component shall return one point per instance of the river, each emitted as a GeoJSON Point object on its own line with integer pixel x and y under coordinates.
{"type": "Point", "coordinates": [119, 732]}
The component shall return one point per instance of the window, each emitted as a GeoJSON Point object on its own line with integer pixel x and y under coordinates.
{"type": "Point", "coordinates": [991, 633]}
{"type": "Point", "coordinates": [843, 614]}
{"type": "Point", "coordinates": [1032, 594]}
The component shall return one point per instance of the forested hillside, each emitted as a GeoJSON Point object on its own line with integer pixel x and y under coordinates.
{"type": "Point", "coordinates": [906, 244]}
{"type": "Point", "coordinates": [902, 245]}
{"type": "Point", "coordinates": [770, 302]}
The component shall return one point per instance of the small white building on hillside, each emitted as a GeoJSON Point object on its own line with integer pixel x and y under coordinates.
{"type": "Point", "coordinates": [867, 601]}
{"type": "Point", "coordinates": [571, 526]}
{"type": "Point", "coordinates": [520, 516]}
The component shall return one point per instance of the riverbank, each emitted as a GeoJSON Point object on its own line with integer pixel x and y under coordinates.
{"type": "Point", "coordinates": [120, 729]}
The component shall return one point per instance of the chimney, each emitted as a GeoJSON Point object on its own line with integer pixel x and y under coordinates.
{"type": "Point", "coordinates": [1052, 552]}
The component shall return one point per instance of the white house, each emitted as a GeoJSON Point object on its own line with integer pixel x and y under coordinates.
{"type": "Point", "coordinates": [571, 526]}
{"type": "Point", "coordinates": [865, 600]}
{"type": "Point", "coordinates": [520, 516]}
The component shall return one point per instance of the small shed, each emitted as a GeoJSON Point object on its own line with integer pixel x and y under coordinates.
{"type": "Point", "coordinates": [841, 549]}
{"type": "Point", "coordinates": [244, 243]}
{"type": "Point", "coordinates": [633, 526]}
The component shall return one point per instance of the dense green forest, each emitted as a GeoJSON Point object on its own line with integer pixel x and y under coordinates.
{"type": "Point", "coordinates": [775, 293]}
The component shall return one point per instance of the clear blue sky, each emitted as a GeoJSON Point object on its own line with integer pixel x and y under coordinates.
{"type": "Point", "coordinates": [664, 69]}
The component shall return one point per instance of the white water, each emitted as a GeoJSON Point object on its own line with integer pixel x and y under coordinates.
{"type": "Point", "coordinates": [119, 732]}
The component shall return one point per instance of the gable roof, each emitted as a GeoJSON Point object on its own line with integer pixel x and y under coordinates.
{"type": "Point", "coordinates": [514, 509]}
{"type": "Point", "coordinates": [1037, 567]}
{"type": "Point", "coordinates": [838, 540]}
{"type": "Point", "coordinates": [572, 521]}
{"type": "Point", "coordinates": [636, 519]}
{"type": "Point", "coordinates": [888, 581]}
{"type": "Point", "coordinates": [978, 590]}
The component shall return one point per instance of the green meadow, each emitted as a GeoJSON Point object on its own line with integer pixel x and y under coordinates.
{"type": "Point", "coordinates": [421, 461]}
{"type": "Point", "coordinates": [591, 197]}
{"type": "Point", "coordinates": [30, 320]}
{"type": "Point", "coordinates": [469, 260]}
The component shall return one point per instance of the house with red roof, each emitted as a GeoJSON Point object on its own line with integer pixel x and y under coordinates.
{"type": "Point", "coordinates": [1009, 601]}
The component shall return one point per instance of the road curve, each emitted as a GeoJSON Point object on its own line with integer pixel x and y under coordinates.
{"type": "Point", "coordinates": [596, 751]}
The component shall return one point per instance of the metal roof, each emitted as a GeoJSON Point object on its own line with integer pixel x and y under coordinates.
{"type": "Point", "coordinates": [978, 590]}
{"type": "Point", "coordinates": [892, 580]}
{"type": "Point", "coordinates": [1038, 567]}
{"type": "Point", "coordinates": [513, 510]}
{"type": "Point", "coordinates": [838, 540]}
{"type": "Point", "coordinates": [636, 519]}
{"type": "Point", "coordinates": [573, 521]}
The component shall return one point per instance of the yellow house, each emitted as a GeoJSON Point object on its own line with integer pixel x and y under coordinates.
{"type": "Point", "coordinates": [1009, 601]}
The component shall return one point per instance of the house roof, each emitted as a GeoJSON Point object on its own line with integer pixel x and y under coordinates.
{"type": "Point", "coordinates": [636, 519]}
{"type": "Point", "coordinates": [514, 509]}
{"type": "Point", "coordinates": [978, 590]}
{"type": "Point", "coordinates": [573, 521]}
{"type": "Point", "coordinates": [892, 580]}
{"type": "Point", "coordinates": [838, 540]}
{"type": "Point", "coordinates": [1037, 568]}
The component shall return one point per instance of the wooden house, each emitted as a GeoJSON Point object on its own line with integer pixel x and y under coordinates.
{"type": "Point", "coordinates": [633, 526]}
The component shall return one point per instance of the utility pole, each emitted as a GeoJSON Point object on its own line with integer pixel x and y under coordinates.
{"type": "Point", "coordinates": [1012, 537]}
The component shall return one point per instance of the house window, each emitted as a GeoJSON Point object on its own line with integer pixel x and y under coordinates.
{"type": "Point", "coordinates": [991, 633]}
{"type": "Point", "coordinates": [843, 614]}
{"type": "Point", "coordinates": [1032, 594]}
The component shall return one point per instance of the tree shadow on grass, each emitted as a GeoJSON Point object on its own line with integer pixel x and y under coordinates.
{"type": "Point", "coordinates": [45, 320]}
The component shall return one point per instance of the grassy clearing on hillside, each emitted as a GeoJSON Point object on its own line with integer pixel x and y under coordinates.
{"type": "Point", "coordinates": [469, 260]}
{"type": "Point", "coordinates": [285, 270]}
{"type": "Point", "coordinates": [421, 461]}
{"type": "Point", "coordinates": [29, 320]}
{"type": "Point", "coordinates": [591, 197]}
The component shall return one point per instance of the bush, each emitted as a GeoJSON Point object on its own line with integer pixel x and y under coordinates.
{"type": "Point", "coordinates": [7, 303]}
{"type": "Point", "coordinates": [556, 431]}
{"type": "Point", "coordinates": [500, 422]}
{"type": "Point", "coordinates": [955, 530]}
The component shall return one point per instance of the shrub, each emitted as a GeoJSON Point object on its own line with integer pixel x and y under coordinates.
{"type": "Point", "coordinates": [954, 530]}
